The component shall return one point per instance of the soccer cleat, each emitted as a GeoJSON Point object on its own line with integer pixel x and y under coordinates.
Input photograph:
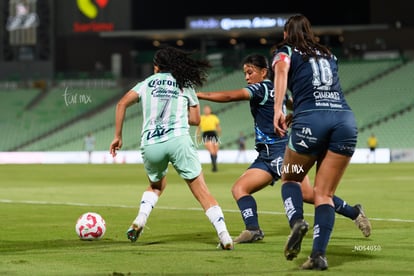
{"type": "Point", "coordinates": [318, 263]}
{"type": "Point", "coordinates": [226, 242]}
{"type": "Point", "coordinates": [134, 232]}
{"type": "Point", "coordinates": [362, 221]}
{"type": "Point", "coordinates": [292, 247]}
{"type": "Point", "coordinates": [247, 236]}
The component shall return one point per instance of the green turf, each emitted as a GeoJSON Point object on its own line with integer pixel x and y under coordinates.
{"type": "Point", "coordinates": [39, 206]}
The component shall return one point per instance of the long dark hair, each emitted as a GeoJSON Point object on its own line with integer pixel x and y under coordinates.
{"type": "Point", "coordinates": [301, 37]}
{"type": "Point", "coordinates": [187, 71]}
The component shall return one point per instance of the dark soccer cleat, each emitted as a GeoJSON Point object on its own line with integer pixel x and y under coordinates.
{"type": "Point", "coordinates": [134, 232]}
{"type": "Point", "coordinates": [293, 244]}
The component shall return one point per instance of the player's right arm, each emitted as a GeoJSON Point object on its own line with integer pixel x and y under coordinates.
{"type": "Point", "coordinates": [194, 115]}
{"type": "Point", "coordinates": [127, 100]}
{"type": "Point", "coordinates": [225, 96]}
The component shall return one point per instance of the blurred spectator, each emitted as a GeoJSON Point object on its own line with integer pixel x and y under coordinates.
{"type": "Point", "coordinates": [89, 145]}
{"type": "Point", "coordinates": [241, 154]}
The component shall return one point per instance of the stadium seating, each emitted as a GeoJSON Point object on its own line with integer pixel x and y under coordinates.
{"type": "Point", "coordinates": [378, 91]}
{"type": "Point", "coordinates": [57, 110]}
{"type": "Point", "coordinates": [13, 125]}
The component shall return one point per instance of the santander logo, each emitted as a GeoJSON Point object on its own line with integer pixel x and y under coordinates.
{"type": "Point", "coordinates": [89, 8]}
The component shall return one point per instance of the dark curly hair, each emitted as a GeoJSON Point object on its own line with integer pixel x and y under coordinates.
{"type": "Point", "coordinates": [187, 71]}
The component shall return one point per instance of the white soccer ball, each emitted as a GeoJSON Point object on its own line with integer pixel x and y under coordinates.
{"type": "Point", "coordinates": [90, 226]}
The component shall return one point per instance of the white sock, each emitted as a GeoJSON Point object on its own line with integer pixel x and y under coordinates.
{"type": "Point", "coordinates": [148, 201]}
{"type": "Point", "coordinates": [216, 217]}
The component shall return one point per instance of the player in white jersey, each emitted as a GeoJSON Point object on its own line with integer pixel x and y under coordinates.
{"type": "Point", "coordinates": [169, 106]}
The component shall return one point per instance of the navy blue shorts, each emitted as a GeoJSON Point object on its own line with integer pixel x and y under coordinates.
{"type": "Point", "coordinates": [314, 132]}
{"type": "Point", "coordinates": [270, 159]}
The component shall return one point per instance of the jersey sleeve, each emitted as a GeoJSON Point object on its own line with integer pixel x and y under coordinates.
{"type": "Point", "coordinates": [192, 97]}
{"type": "Point", "coordinates": [283, 54]}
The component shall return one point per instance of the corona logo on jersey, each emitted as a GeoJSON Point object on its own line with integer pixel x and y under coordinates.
{"type": "Point", "coordinates": [91, 10]}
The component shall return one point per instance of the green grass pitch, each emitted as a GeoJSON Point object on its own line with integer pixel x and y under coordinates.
{"type": "Point", "coordinates": [39, 206]}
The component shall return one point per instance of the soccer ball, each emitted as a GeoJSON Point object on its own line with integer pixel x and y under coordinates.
{"type": "Point", "coordinates": [90, 226]}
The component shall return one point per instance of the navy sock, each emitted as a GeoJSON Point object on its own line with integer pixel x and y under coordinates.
{"type": "Point", "coordinates": [248, 210]}
{"type": "Point", "coordinates": [342, 208]}
{"type": "Point", "coordinates": [292, 201]}
{"type": "Point", "coordinates": [213, 160]}
{"type": "Point", "coordinates": [322, 229]}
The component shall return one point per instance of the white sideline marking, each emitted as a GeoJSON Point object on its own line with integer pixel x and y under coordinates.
{"type": "Point", "coordinates": [168, 208]}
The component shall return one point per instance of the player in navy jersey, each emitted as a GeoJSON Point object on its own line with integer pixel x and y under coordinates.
{"type": "Point", "coordinates": [323, 132]}
{"type": "Point", "coordinates": [169, 106]}
{"type": "Point", "coordinates": [266, 169]}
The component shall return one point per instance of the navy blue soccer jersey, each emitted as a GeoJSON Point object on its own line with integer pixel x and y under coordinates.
{"type": "Point", "coordinates": [262, 109]}
{"type": "Point", "coordinates": [322, 91]}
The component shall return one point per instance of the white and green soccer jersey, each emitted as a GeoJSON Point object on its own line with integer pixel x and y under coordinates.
{"type": "Point", "coordinates": [164, 108]}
